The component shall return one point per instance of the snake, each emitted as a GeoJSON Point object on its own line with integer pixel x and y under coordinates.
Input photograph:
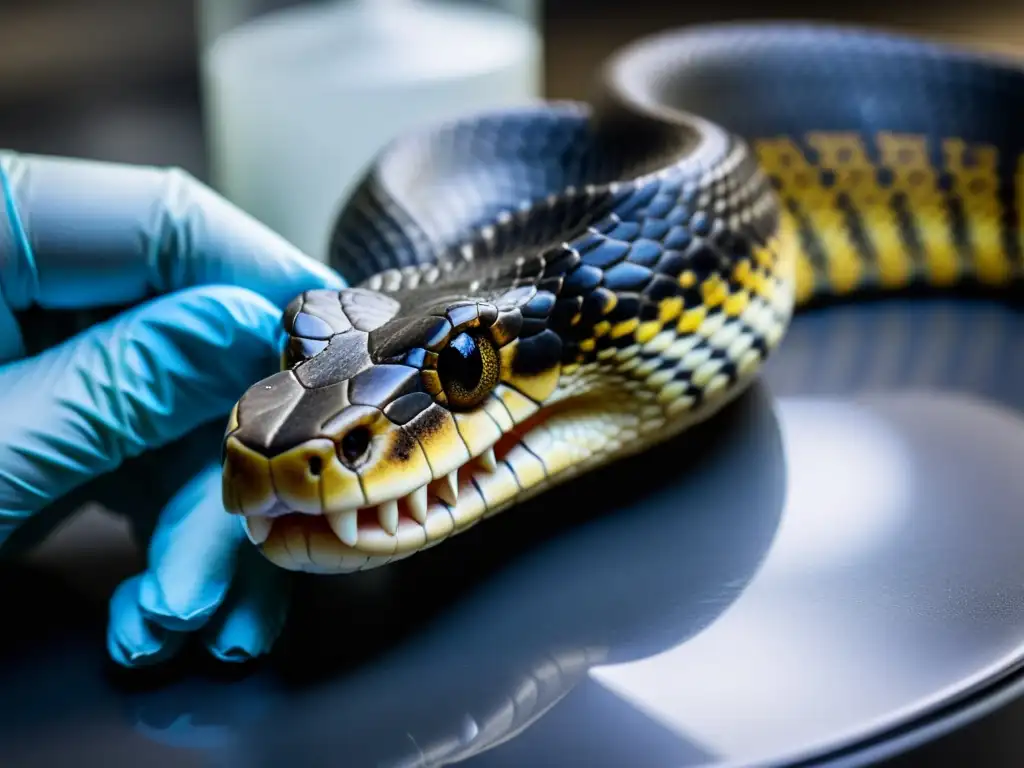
{"type": "Point", "coordinates": [537, 291]}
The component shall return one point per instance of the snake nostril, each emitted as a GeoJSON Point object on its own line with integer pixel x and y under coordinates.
{"type": "Point", "coordinates": [316, 466]}
{"type": "Point", "coordinates": [354, 444]}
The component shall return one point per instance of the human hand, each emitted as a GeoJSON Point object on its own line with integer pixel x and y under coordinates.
{"type": "Point", "coordinates": [136, 306]}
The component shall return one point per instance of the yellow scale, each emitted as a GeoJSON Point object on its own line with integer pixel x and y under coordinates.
{"type": "Point", "coordinates": [972, 168]}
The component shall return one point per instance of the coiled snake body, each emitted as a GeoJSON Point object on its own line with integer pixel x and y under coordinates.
{"type": "Point", "coordinates": [543, 290]}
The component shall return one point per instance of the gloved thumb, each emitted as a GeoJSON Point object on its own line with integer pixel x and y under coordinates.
{"type": "Point", "coordinates": [134, 383]}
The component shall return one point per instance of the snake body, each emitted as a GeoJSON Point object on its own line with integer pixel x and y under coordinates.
{"type": "Point", "coordinates": [542, 290]}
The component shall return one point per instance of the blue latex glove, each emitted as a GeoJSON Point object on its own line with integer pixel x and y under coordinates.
{"type": "Point", "coordinates": [129, 410]}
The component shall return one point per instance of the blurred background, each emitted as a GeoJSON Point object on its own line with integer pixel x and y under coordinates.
{"type": "Point", "coordinates": [134, 80]}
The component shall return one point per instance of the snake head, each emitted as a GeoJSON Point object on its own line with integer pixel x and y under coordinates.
{"type": "Point", "coordinates": [391, 425]}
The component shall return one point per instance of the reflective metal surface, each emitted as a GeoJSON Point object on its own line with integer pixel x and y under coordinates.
{"type": "Point", "coordinates": [830, 559]}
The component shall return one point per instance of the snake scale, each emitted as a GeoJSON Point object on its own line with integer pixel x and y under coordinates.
{"type": "Point", "coordinates": [541, 290]}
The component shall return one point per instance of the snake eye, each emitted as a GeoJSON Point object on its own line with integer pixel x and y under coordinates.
{"type": "Point", "coordinates": [468, 368]}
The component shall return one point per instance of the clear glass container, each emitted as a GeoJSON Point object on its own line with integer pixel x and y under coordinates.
{"type": "Point", "coordinates": [299, 97]}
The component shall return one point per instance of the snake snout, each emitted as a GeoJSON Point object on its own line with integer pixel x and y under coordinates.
{"type": "Point", "coordinates": [354, 490]}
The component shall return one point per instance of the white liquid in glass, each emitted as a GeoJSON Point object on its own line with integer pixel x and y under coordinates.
{"type": "Point", "coordinates": [299, 101]}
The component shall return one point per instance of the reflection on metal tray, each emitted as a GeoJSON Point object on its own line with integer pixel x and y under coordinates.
{"type": "Point", "coordinates": [838, 561]}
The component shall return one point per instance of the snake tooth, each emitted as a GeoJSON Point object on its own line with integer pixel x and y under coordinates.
{"type": "Point", "coordinates": [417, 503]}
{"type": "Point", "coordinates": [487, 460]}
{"type": "Point", "coordinates": [258, 528]}
{"type": "Point", "coordinates": [387, 514]}
{"type": "Point", "coordinates": [345, 525]}
{"type": "Point", "coordinates": [447, 488]}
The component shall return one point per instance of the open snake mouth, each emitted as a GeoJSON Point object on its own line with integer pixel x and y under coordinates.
{"type": "Point", "coordinates": [550, 446]}
{"type": "Point", "coordinates": [362, 538]}
{"type": "Point", "coordinates": [553, 444]}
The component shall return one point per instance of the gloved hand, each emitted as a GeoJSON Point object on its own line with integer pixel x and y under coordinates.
{"type": "Point", "coordinates": [129, 410]}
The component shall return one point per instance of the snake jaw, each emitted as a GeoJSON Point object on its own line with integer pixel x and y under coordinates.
{"type": "Point", "coordinates": [420, 483]}
{"type": "Point", "coordinates": [551, 444]}
{"type": "Point", "coordinates": [349, 537]}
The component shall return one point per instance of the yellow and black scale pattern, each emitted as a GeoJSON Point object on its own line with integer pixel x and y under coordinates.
{"type": "Point", "coordinates": [855, 222]}
{"type": "Point", "coordinates": [606, 276]}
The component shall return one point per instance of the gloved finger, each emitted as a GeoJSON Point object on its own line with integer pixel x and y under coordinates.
{"type": "Point", "coordinates": [132, 640]}
{"type": "Point", "coordinates": [192, 556]}
{"type": "Point", "coordinates": [84, 233]}
{"type": "Point", "coordinates": [143, 488]}
{"type": "Point", "coordinates": [202, 571]}
{"type": "Point", "coordinates": [126, 386]}
{"type": "Point", "coordinates": [254, 613]}
{"type": "Point", "coordinates": [138, 491]}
